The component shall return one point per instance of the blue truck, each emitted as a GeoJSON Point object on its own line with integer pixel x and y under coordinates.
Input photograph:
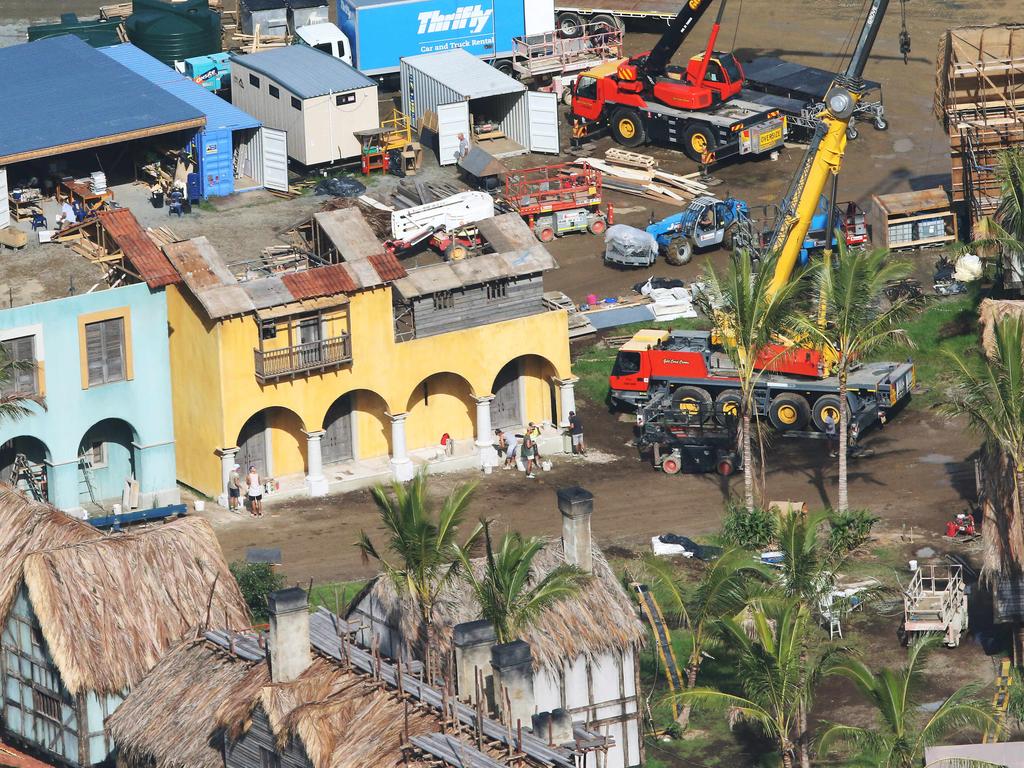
{"type": "Point", "coordinates": [380, 32]}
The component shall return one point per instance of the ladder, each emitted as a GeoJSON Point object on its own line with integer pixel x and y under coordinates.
{"type": "Point", "coordinates": [1000, 702]}
{"type": "Point", "coordinates": [23, 469]}
{"type": "Point", "coordinates": [663, 641]}
{"type": "Point", "coordinates": [85, 466]}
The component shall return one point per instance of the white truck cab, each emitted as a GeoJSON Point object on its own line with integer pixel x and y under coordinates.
{"type": "Point", "coordinates": [326, 37]}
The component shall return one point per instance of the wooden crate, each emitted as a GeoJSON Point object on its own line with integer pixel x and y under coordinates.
{"type": "Point", "coordinates": [906, 220]}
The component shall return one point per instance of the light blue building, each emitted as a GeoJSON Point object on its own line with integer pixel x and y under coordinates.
{"type": "Point", "coordinates": [100, 359]}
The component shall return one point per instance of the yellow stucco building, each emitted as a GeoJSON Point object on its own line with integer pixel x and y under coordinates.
{"type": "Point", "coordinates": [291, 367]}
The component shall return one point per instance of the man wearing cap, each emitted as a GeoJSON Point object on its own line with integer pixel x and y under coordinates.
{"type": "Point", "coordinates": [234, 489]}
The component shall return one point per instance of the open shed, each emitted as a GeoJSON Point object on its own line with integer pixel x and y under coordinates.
{"type": "Point", "coordinates": [454, 92]}
{"type": "Point", "coordinates": [47, 136]}
{"type": "Point", "coordinates": [233, 152]}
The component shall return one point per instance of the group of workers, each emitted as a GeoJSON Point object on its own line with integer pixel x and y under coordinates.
{"type": "Point", "coordinates": [525, 447]}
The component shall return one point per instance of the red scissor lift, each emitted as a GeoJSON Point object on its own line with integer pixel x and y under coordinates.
{"type": "Point", "coordinates": [558, 199]}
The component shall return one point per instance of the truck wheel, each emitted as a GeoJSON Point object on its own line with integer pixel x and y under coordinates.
{"type": "Point", "coordinates": [691, 400]}
{"type": "Point", "coordinates": [505, 67]}
{"type": "Point", "coordinates": [788, 411]}
{"type": "Point", "coordinates": [728, 405]}
{"type": "Point", "coordinates": [597, 226]}
{"type": "Point", "coordinates": [570, 24]}
{"type": "Point", "coordinates": [545, 234]}
{"type": "Point", "coordinates": [679, 252]}
{"type": "Point", "coordinates": [825, 405]}
{"type": "Point", "coordinates": [671, 465]}
{"type": "Point", "coordinates": [627, 128]}
{"type": "Point", "coordinates": [726, 465]}
{"type": "Point", "coordinates": [697, 140]}
{"type": "Point", "coordinates": [455, 252]}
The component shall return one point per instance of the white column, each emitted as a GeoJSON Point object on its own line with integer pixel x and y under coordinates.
{"type": "Point", "coordinates": [484, 437]}
{"type": "Point", "coordinates": [227, 462]}
{"type": "Point", "coordinates": [567, 398]}
{"type": "Point", "coordinates": [316, 483]}
{"type": "Point", "coordinates": [401, 464]}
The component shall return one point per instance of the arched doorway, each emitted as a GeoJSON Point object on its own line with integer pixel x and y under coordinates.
{"type": "Point", "coordinates": [441, 403]}
{"type": "Point", "coordinates": [23, 466]}
{"type": "Point", "coordinates": [524, 390]}
{"type": "Point", "coordinates": [356, 427]}
{"type": "Point", "coordinates": [106, 463]}
{"type": "Point", "coordinates": [272, 441]}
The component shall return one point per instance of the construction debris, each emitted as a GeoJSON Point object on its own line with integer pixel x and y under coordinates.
{"type": "Point", "coordinates": [635, 174]}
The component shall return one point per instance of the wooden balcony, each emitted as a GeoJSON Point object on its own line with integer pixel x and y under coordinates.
{"type": "Point", "coordinates": [316, 356]}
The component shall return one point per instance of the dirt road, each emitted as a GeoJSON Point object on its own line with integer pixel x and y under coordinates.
{"type": "Point", "coordinates": [919, 474]}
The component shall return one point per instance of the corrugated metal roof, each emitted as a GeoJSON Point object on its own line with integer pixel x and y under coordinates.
{"type": "Point", "coordinates": [219, 113]}
{"type": "Point", "coordinates": [100, 100]}
{"type": "Point", "coordinates": [321, 281]}
{"type": "Point", "coordinates": [305, 71]}
{"type": "Point", "coordinates": [470, 77]}
{"type": "Point", "coordinates": [208, 277]}
{"type": "Point", "coordinates": [349, 233]}
{"type": "Point", "coordinates": [388, 267]}
{"type": "Point", "coordinates": [507, 232]}
{"type": "Point", "coordinates": [148, 260]}
{"type": "Point", "coordinates": [449, 276]}
{"type": "Point", "coordinates": [267, 292]}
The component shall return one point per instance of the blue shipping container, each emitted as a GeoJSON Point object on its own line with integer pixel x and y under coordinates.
{"type": "Point", "coordinates": [383, 32]}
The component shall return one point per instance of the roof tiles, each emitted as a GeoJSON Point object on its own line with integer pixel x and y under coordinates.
{"type": "Point", "coordinates": [321, 281]}
{"type": "Point", "coordinates": [151, 264]}
{"type": "Point", "coordinates": [388, 267]}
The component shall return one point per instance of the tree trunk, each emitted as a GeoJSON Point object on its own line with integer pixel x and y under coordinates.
{"type": "Point", "coordinates": [844, 431]}
{"type": "Point", "coordinates": [748, 462]}
{"type": "Point", "coordinates": [805, 753]}
{"type": "Point", "coordinates": [787, 757]}
{"type": "Point", "coordinates": [691, 681]}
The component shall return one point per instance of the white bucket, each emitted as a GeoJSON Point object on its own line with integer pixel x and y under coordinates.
{"type": "Point", "coordinates": [199, 505]}
{"type": "Point", "coordinates": [546, 466]}
{"type": "Point", "coordinates": [116, 509]}
{"type": "Point", "coordinates": [488, 469]}
{"type": "Point", "coordinates": [913, 565]}
{"type": "Point", "coordinates": [519, 464]}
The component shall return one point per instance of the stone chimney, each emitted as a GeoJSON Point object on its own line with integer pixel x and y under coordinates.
{"type": "Point", "coordinates": [473, 641]}
{"type": "Point", "coordinates": [513, 677]}
{"type": "Point", "coordinates": [289, 634]}
{"type": "Point", "coordinates": [576, 505]}
{"type": "Point", "coordinates": [554, 727]}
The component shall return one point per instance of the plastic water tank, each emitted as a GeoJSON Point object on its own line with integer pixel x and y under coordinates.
{"type": "Point", "coordinates": [173, 31]}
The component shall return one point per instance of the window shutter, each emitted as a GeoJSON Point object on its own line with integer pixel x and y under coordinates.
{"type": "Point", "coordinates": [94, 352]}
{"type": "Point", "coordinates": [113, 349]}
{"type": "Point", "coordinates": [23, 350]}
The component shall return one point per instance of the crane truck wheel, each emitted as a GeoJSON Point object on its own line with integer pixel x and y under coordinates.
{"type": "Point", "coordinates": [691, 400]}
{"type": "Point", "coordinates": [679, 252]}
{"type": "Point", "coordinates": [824, 406]}
{"type": "Point", "coordinates": [627, 128]}
{"type": "Point", "coordinates": [728, 405]}
{"type": "Point", "coordinates": [697, 140]}
{"type": "Point", "coordinates": [789, 411]}
{"type": "Point", "coordinates": [570, 24]}
{"type": "Point", "coordinates": [671, 465]}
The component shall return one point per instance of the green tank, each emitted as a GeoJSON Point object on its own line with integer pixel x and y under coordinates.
{"type": "Point", "coordinates": [174, 31]}
{"type": "Point", "coordinates": [96, 32]}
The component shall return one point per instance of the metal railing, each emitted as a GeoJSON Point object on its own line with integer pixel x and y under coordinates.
{"type": "Point", "coordinates": [303, 358]}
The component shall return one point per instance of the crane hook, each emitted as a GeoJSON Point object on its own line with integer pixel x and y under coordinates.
{"type": "Point", "coordinates": [904, 33]}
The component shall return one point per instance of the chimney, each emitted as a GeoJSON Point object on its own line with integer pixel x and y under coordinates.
{"type": "Point", "coordinates": [289, 634]}
{"type": "Point", "coordinates": [473, 641]}
{"type": "Point", "coordinates": [576, 505]}
{"type": "Point", "coordinates": [513, 676]}
{"type": "Point", "coordinates": [554, 727]}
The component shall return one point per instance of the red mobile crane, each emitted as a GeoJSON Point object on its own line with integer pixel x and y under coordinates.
{"type": "Point", "coordinates": [699, 109]}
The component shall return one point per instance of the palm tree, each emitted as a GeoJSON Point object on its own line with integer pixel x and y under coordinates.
{"type": "Point", "coordinates": [509, 595]}
{"type": "Point", "coordinates": [14, 405]}
{"type": "Point", "coordinates": [423, 544]}
{"type": "Point", "coordinates": [856, 323]}
{"type": "Point", "coordinates": [748, 318]}
{"type": "Point", "coordinates": [1005, 229]}
{"type": "Point", "coordinates": [723, 592]}
{"type": "Point", "coordinates": [773, 669]}
{"type": "Point", "coordinates": [901, 735]}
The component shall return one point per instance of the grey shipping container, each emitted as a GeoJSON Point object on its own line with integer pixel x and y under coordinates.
{"type": "Point", "coordinates": [466, 95]}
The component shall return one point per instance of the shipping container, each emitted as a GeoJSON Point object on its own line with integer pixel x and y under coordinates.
{"type": "Point", "coordinates": [453, 92]}
{"type": "Point", "coordinates": [381, 32]}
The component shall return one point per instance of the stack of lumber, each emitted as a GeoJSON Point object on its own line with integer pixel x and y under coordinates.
{"type": "Point", "coordinates": [635, 174]}
{"type": "Point", "coordinates": [980, 98]}
{"type": "Point", "coordinates": [162, 236]}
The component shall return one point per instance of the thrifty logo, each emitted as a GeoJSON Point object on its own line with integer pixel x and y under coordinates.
{"type": "Point", "coordinates": [467, 16]}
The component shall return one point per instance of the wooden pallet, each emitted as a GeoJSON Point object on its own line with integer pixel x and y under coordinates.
{"type": "Point", "coordinates": [630, 159]}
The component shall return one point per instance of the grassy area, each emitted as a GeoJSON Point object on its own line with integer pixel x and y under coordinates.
{"type": "Point", "coordinates": [334, 596]}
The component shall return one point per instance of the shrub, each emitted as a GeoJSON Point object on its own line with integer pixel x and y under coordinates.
{"type": "Point", "coordinates": [850, 530]}
{"type": "Point", "coordinates": [749, 530]}
{"type": "Point", "coordinates": [256, 581]}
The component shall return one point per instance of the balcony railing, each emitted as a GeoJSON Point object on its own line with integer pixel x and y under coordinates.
{"type": "Point", "coordinates": [303, 358]}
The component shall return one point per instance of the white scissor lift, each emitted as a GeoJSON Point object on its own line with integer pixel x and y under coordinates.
{"type": "Point", "coordinates": [936, 601]}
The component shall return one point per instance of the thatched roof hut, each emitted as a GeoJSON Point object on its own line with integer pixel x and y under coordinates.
{"type": "Point", "coordinates": [109, 606]}
{"type": "Point", "coordinates": [990, 311]}
{"type": "Point", "coordinates": [600, 619]}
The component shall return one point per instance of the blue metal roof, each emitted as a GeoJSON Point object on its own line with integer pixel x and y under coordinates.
{"type": "Point", "coordinates": [305, 71]}
{"type": "Point", "coordinates": [62, 93]}
{"type": "Point", "coordinates": [219, 113]}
